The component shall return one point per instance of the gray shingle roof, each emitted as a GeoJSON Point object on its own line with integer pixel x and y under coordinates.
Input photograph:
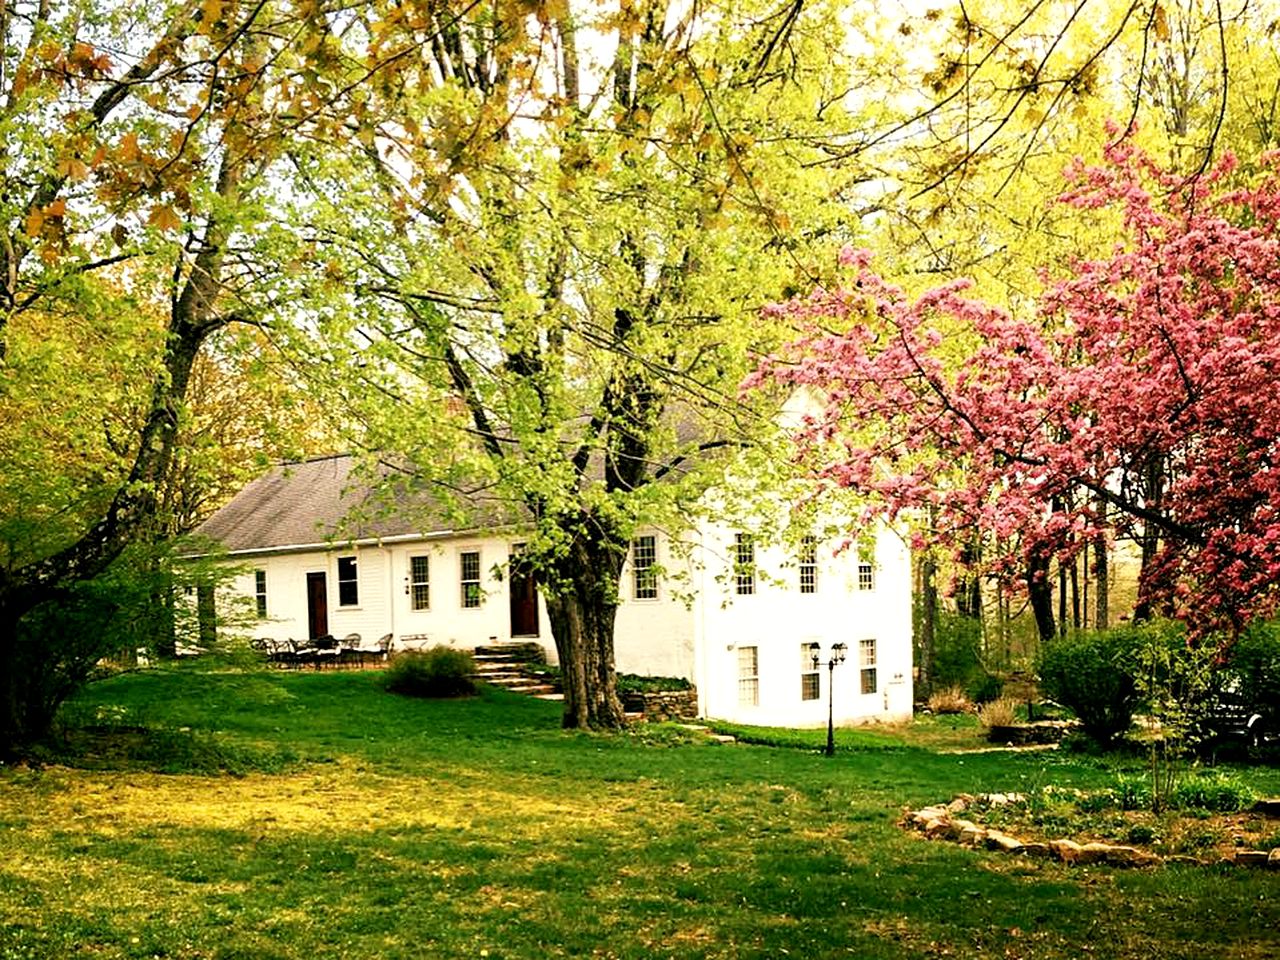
{"type": "Point", "coordinates": [316, 501]}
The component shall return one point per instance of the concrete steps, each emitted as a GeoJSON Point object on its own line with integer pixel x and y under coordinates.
{"type": "Point", "coordinates": [503, 665]}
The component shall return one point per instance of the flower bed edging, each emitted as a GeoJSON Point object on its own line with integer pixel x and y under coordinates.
{"type": "Point", "coordinates": [943, 822]}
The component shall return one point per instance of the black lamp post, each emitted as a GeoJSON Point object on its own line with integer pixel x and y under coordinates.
{"type": "Point", "coordinates": [837, 656]}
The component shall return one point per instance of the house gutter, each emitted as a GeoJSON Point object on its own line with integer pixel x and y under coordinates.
{"type": "Point", "coordinates": [332, 545]}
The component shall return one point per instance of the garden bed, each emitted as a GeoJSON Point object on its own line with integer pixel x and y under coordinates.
{"type": "Point", "coordinates": [1214, 820]}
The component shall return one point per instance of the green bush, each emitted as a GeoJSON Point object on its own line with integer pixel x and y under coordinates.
{"type": "Point", "coordinates": [985, 687]}
{"type": "Point", "coordinates": [1216, 791]}
{"type": "Point", "coordinates": [1093, 674]}
{"type": "Point", "coordinates": [635, 683]}
{"type": "Point", "coordinates": [438, 671]}
{"type": "Point", "coordinates": [1254, 666]}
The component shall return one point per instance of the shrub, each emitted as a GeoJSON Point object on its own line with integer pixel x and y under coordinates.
{"type": "Point", "coordinates": [1254, 667]}
{"type": "Point", "coordinates": [949, 700]}
{"type": "Point", "coordinates": [1220, 792]}
{"type": "Point", "coordinates": [635, 683]}
{"type": "Point", "coordinates": [984, 688]}
{"type": "Point", "coordinates": [1093, 674]}
{"type": "Point", "coordinates": [998, 713]}
{"type": "Point", "coordinates": [438, 671]}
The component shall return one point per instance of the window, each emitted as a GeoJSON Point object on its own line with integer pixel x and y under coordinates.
{"type": "Point", "coordinates": [748, 676]}
{"type": "Point", "coordinates": [348, 583]}
{"type": "Point", "coordinates": [420, 582]}
{"type": "Point", "coordinates": [809, 689]}
{"type": "Point", "coordinates": [867, 665]}
{"type": "Point", "coordinates": [866, 571]}
{"type": "Point", "coordinates": [260, 592]}
{"type": "Point", "coordinates": [471, 579]}
{"type": "Point", "coordinates": [644, 575]}
{"type": "Point", "coordinates": [809, 565]}
{"type": "Point", "coordinates": [744, 565]}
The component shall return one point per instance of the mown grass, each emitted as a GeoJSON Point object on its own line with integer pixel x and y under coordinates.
{"type": "Point", "coordinates": [361, 824]}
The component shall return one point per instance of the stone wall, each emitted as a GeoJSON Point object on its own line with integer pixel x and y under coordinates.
{"type": "Point", "coordinates": [663, 704]}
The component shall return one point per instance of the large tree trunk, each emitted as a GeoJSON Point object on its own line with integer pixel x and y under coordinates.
{"type": "Point", "coordinates": [1040, 591]}
{"type": "Point", "coordinates": [1148, 578]}
{"type": "Point", "coordinates": [928, 617]}
{"type": "Point", "coordinates": [582, 606]}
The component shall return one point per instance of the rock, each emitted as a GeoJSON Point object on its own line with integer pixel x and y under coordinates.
{"type": "Point", "coordinates": [1253, 858]}
{"type": "Point", "coordinates": [1182, 858]}
{"type": "Point", "coordinates": [925, 814]}
{"type": "Point", "coordinates": [1094, 853]}
{"type": "Point", "coordinates": [937, 827]}
{"type": "Point", "coordinates": [1038, 851]}
{"type": "Point", "coordinates": [1003, 842]}
{"type": "Point", "coordinates": [1130, 857]}
{"type": "Point", "coordinates": [958, 805]}
{"type": "Point", "coordinates": [1273, 859]}
{"type": "Point", "coordinates": [1068, 851]}
{"type": "Point", "coordinates": [972, 835]}
{"type": "Point", "coordinates": [997, 799]}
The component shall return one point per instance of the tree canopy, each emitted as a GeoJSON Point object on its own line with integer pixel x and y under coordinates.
{"type": "Point", "coordinates": [1141, 397]}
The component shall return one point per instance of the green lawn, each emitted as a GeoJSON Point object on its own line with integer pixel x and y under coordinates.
{"type": "Point", "coordinates": [359, 824]}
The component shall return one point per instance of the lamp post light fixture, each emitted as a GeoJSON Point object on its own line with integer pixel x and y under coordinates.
{"type": "Point", "coordinates": [838, 651]}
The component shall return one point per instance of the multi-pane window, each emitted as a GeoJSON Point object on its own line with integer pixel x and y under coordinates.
{"type": "Point", "coordinates": [744, 564]}
{"type": "Point", "coordinates": [471, 579]}
{"type": "Point", "coordinates": [348, 582]}
{"type": "Point", "coordinates": [809, 688]}
{"type": "Point", "coordinates": [260, 592]}
{"type": "Point", "coordinates": [809, 565]}
{"type": "Point", "coordinates": [866, 570]}
{"type": "Point", "coordinates": [420, 582]}
{"type": "Point", "coordinates": [867, 665]}
{"type": "Point", "coordinates": [748, 676]}
{"type": "Point", "coordinates": [644, 573]}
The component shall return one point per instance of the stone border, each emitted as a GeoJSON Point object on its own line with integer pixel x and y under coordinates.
{"type": "Point", "coordinates": [944, 822]}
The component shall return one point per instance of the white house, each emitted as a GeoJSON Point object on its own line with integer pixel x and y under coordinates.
{"type": "Point", "coordinates": [733, 615]}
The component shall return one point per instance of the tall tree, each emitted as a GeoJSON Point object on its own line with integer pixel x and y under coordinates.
{"type": "Point", "coordinates": [1166, 352]}
{"type": "Point", "coordinates": [135, 138]}
{"type": "Point", "coordinates": [569, 220]}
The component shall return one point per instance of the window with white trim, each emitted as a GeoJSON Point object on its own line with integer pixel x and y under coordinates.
{"type": "Point", "coordinates": [744, 565]}
{"type": "Point", "coordinates": [420, 582]}
{"type": "Point", "coordinates": [810, 684]}
{"type": "Point", "coordinates": [808, 564]}
{"type": "Point", "coordinates": [748, 676]}
{"type": "Point", "coordinates": [644, 573]}
{"type": "Point", "coordinates": [260, 592]}
{"type": "Point", "coordinates": [867, 665]}
{"type": "Point", "coordinates": [866, 569]}
{"type": "Point", "coordinates": [348, 582]}
{"type": "Point", "coordinates": [470, 579]}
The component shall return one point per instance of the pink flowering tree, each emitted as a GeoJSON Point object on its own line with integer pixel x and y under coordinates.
{"type": "Point", "coordinates": [1141, 398]}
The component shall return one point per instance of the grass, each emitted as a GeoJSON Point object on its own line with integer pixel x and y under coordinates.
{"type": "Point", "coordinates": [358, 824]}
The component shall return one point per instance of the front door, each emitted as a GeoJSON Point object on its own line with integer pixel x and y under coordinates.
{"type": "Point", "coordinates": [524, 596]}
{"type": "Point", "coordinates": [317, 605]}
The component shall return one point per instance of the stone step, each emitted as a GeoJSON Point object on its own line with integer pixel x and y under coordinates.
{"type": "Point", "coordinates": [520, 651]}
{"type": "Point", "coordinates": [558, 697]}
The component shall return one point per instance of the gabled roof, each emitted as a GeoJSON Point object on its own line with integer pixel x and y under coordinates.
{"type": "Point", "coordinates": [326, 500]}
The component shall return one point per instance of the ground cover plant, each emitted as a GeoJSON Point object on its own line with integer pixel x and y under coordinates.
{"type": "Point", "coordinates": [383, 826]}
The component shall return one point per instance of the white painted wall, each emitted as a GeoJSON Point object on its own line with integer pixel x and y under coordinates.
{"type": "Point", "coordinates": [655, 638]}
{"type": "Point", "coordinates": [661, 637]}
{"type": "Point", "coordinates": [385, 600]}
{"type": "Point", "coordinates": [778, 618]}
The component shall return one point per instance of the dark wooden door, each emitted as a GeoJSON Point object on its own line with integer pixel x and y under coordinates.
{"type": "Point", "coordinates": [524, 597]}
{"type": "Point", "coordinates": [317, 605]}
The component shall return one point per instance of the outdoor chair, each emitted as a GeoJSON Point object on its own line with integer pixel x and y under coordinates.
{"type": "Point", "coordinates": [325, 650]}
{"type": "Point", "coordinates": [350, 651]}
